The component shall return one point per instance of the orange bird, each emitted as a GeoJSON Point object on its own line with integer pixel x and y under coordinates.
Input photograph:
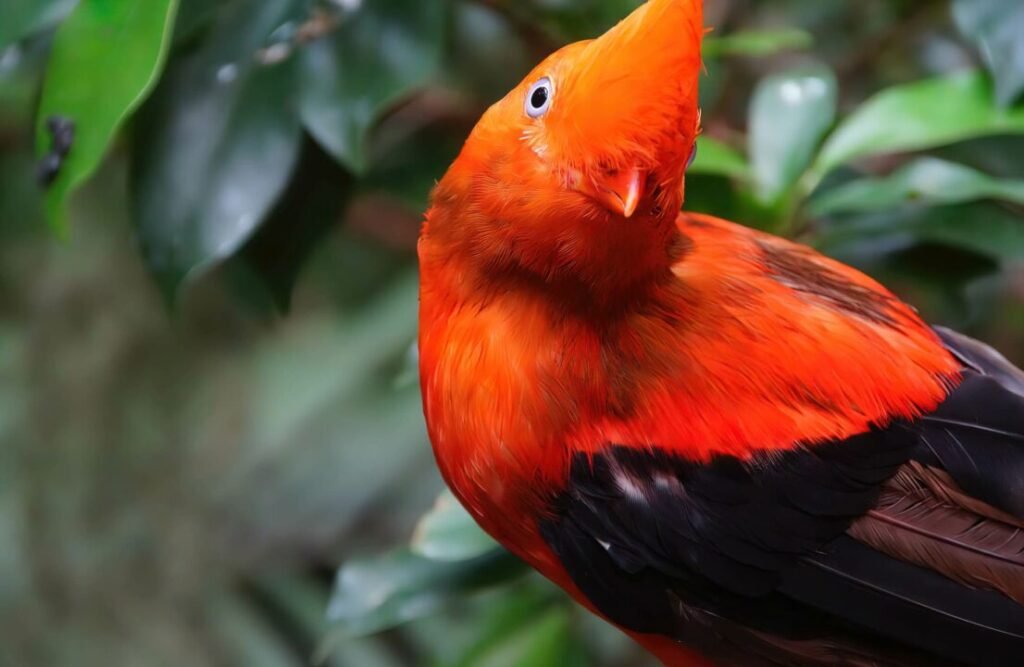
{"type": "Point", "coordinates": [733, 448]}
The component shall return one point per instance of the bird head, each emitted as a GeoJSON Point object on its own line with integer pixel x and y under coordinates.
{"type": "Point", "coordinates": [587, 154]}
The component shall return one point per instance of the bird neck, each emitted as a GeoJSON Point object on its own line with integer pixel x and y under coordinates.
{"type": "Point", "coordinates": [599, 268]}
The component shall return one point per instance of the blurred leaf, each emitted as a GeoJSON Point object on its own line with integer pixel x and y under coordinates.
{"type": "Point", "coordinates": [106, 58]}
{"type": "Point", "coordinates": [758, 43]}
{"type": "Point", "coordinates": [368, 264]}
{"type": "Point", "coordinates": [413, 149]}
{"type": "Point", "coordinates": [983, 228]}
{"type": "Point", "coordinates": [408, 374]}
{"type": "Point", "coordinates": [325, 436]}
{"type": "Point", "coordinates": [789, 115]}
{"type": "Point", "coordinates": [716, 159]}
{"type": "Point", "coordinates": [499, 614]}
{"type": "Point", "coordinates": [381, 52]}
{"type": "Point", "coordinates": [927, 181]}
{"type": "Point", "coordinates": [932, 276]}
{"type": "Point", "coordinates": [988, 230]}
{"type": "Point", "coordinates": [21, 202]}
{"type": "Point", "coordinates": [193, 17]}
{"type": "Point", "coordinates": [487, 56]}
{"type": "Point", "coordinates": [448, 533]}
{"type": "Point", "coordinates": [311, 207]}
{"type": "Point", "coordinates": [24, 17]}
{"type": "Point", "coordinates": [380, 593]}
{"type": "Point", "coordinates": [544, 640]}
{"type": "Point", "coordinates": [301, 598]}
{"type": "Point", "coordinates": [714, 195]}
{"type": "Point", "coordinates": [300, 601]}
{"type": "Point", "coordinates": [714, 82]}
{"type": "Point", "coordinates": [997, 154]}
{"type": "Point", "coordinates": [569, 20]}
{"type": "Point", "coordinates": [216, 147]}
{"type": "Point", "coordinates": [608, 646]}
{"type": "Point", "coordinates": [246, 636]}
{"type": "Point", "coordinates": [997, 27]}
{"type": "Point", "coordinates": [919, 115]}
{"type": "Point", "coordinates": [291, 383]}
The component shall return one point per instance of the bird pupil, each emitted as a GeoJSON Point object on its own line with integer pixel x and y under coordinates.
{"type": "Point", "coordinates": [539, 98]}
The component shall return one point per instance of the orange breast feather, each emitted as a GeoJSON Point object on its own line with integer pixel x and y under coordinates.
{"type": "Point", "coordinates": [724, 356]}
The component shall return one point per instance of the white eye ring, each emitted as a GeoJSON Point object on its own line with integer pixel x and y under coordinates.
{"type": "Point", "coordinates": [538, 99]}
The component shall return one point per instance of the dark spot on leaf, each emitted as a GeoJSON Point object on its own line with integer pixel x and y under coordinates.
{"type": "Point", "coordinates": [62, 131]}
{"type": "Point", "coordinates": [48, 168]}
{"type": "Point", "coordinates": [62, 138]}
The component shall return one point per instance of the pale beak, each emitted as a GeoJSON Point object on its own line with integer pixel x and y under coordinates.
{"type": "Point", "coordinates": [619, 191]}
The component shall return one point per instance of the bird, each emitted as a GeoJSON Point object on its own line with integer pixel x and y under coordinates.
{"type": "Point", "coordinates": [734, 449]}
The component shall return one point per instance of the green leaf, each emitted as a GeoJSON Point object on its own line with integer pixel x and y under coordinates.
{"type": "Point", "coordinates": [311, 206]}
{"type": "Point", "coordinates": [714, 158]}
{"type": "Point", "coordinates": [996, 27]}
{"type": "Point", "coordinates": [386, 591]}
{"type": "Point", "coordinates": [300, 602]}
{"type": "Point", "coordinates": [916, 116]}
{"type": "Point", "coordinates": [544, 640]}
{"type": "Point", "coordinates": [379, 54]}
{"type": "Point", "coordinates": [408, 157]}
{"type": "Point", "coordinates": [448, 533]}
{"type": "Point", "coordinates": [758, 43]}
{"type": "Point", "coordinates": [499, 615]}
{"type": "Point", "coordinates": [569, 21]}
{"type": "Point", "coordinates": [987, 230]}
{"type": "Point", "coordinates": [925, 181]}
{"type": "Point", "coordinates": [24, 17]}
{"type": "Point", "coordinates": [215, 148]}
{"type": "Point", "coordinates": [982, 228]}
{"type": "Point", "coordinates": [106, 58]}
{"type": "Point", "coordinates": [790, 114]}
{"type": "Point", "coordinates": [193, 17]}
{"type": "Point", "coordinates": [486, 57]}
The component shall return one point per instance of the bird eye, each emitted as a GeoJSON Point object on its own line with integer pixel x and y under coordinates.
{"type": "Point", "coordinates": [538, 100]}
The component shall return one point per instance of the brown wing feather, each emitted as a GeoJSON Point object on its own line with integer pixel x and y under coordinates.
{"type": "Point", "coordinates": [942, 485]}
{"type": "Point", "coordinates": [924, 519]}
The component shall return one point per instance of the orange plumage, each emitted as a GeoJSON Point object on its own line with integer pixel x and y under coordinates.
{"type": "Point", "coordinates": [566, 305]}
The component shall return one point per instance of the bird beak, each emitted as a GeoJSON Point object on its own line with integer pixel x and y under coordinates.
{"type": "Point", "coordinates": [619, 191]}
{"type": "Point", "coordinates": [630, 100]}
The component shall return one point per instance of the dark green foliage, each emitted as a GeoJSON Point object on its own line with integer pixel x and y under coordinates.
{"type": "Point", "coordinates": [995, 26]}
{"type": "Point", "coordinates": [179, 483]}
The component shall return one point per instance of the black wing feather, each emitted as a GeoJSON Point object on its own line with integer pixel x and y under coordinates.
{"type": "Point", "coordinates": [983, 360]}
{"type": "Point", "coordinates": [752, 555]}
{"type": "Point", "coordinates": [977, 436]}
{"type": "Point", "coordinates": [910, 604]}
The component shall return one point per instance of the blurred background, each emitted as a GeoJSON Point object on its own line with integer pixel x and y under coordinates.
{"type": "Point", "coordinates": [208, 394]}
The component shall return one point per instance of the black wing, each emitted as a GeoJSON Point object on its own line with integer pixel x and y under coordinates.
{"type": "Point", "coordinates": [902, 546]}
